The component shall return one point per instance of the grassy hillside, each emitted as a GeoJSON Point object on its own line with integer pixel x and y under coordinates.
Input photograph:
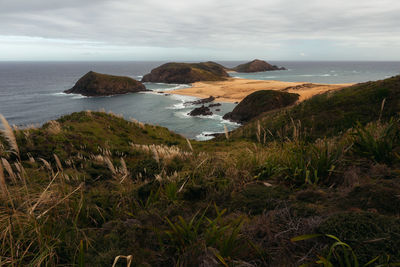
{"type": "Point", "coordinates": [331, 113]}
{"type": "Point", "coordinates": [91, 188]}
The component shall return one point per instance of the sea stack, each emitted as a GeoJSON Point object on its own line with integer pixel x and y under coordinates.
{"type": "Point", "coordinates": [256, 66]}
{"type": "Point", "coordinates": [97, 84]}
{"type": "Point", "coordinates": [183, 73]}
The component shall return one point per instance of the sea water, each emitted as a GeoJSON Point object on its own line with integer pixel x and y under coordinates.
{"type": "Point", "coordinates": [32, 92]}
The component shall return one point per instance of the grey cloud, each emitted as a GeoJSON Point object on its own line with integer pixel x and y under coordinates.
{"type": "Point", "coordinates": [203, 24]}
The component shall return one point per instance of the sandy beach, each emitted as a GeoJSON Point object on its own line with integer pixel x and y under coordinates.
{"type": "Point", "coordinates": [234, 90]}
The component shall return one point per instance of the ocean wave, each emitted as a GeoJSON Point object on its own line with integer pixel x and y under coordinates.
{"type": "Point", "coordinates": [206, 135]}
{"type": "Point", "coordinates": [60, 94]}
{"type": "Point", "coordinates": [177, 106]}
{"type": "Point", "coordinates": [152, 92]}
{"type": "Point", "coordinates": [73, 96]}
{"type": "Point", "coordinates": [183, 115]}
{"type": "Point", "coordinates": [178, 86]}
{"type": "Point", "coordinates": [184, 99]}
{"type": "Point", "coordinates": [316, 75]}
{"type": "Point", "coordinates": [77, 96]}
{"type": "Point", "coordinates": [210, 117]}
{"type": "Point", "coordinates": [223, 121]}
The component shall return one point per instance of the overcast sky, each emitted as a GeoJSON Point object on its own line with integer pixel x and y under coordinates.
{"type": "Point", "coordinates": [199, 30]}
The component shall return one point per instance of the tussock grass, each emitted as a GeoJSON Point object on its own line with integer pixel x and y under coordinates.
{"type": "Point", "coordinates": [8, 133]}
{"type": "Point", "coordinates": [53, 127]}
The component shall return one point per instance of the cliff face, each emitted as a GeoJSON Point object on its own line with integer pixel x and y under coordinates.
{"type": "Point", "coordinates": [187, 73]}
{"type": "Point", "coordinates": [97, 84]}
{"type": "Point", "coordinates": [256, 66]}
{"type": "Point", "coordinates": [258, 102]}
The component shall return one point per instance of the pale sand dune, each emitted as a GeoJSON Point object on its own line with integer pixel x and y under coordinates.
{"type": "Point", "coordinates": [234, 90]}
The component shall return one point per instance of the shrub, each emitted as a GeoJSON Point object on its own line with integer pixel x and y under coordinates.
{"type": "Point", "coordinates": [311, 163]}
{"type": "Point", "coordinates": [376, 140]}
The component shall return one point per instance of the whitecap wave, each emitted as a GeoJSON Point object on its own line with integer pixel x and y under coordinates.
{"type": "Point", "coordinates": [77, 96]}
{"type": "Point", "coordinates": [223, 121]}
{"type": "Point", "coordinates": [177, 106]}
{"type": "Point", "coordinates": [73, 96]}
{"type": "Point", "coordinates": [60, 94]}
{"type": "Point", "coordinates": [176, 87]}
{"type": "Point", "coordinates": [183, 115]}
{"type": "Point", "coordinates": [315, 75]}
{"type": "Point", "coordinates": [216, 117]}
{"type": "Point", "coordinates": [184, 99]}
{"type": "Point", "coordinates": [206, 135]}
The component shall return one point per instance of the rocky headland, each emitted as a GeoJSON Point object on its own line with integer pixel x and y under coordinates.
{"type": "Point", "coordinates": [259, 102]}
{"type": "Point", "coordinates": [97, 84]}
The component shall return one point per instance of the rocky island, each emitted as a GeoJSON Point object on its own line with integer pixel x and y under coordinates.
{"type": "Point", "coordinates": [182, 73]}
{"type": "Point", "coordinates": [256, 66]}
{"type": "Point", "coordinates": [258, 103]}
{"type": "Point", "coordinates": [97, 84]}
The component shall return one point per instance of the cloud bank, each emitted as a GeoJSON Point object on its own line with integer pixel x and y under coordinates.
{"type": "Point", "coordinates": [185, 29]}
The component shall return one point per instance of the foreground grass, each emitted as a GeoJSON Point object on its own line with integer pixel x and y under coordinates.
{"type": "Point", "coordinates": [91, 189]}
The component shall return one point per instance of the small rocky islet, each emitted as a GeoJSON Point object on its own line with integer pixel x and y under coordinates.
{"type": "Point", "coordinates": [98, 84]}
{"type": "Point", "coordinates": [256, 66]}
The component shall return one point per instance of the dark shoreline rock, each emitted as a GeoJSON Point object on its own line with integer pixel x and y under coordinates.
{"type": "Point", "coordinates": [184, 73]}
{"type": "Point", "coordinates": [97, 84]}
{"type": "Point", "coordinates": [201, 101]}
{"type": "Point", "coordinates": [256, 66]}
{"type": "Point", "coordinates": [258, 102]}
{"type": "Point", "coordinates": [214, 105]}
{"type": "Point", "coordinates": [201, 111]}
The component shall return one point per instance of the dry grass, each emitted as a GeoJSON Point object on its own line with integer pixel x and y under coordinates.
{"type": "Point", "coordinates": [54, 127]}
{"type": "Point", "coordinates": [3, 184]}
{"type": "Point", "coordinates": [9, 135]}
{"type": "Point", "coordinates": [9, 170]}
{"type": "Point", "coordinates": [163, 152]}
{"type": "Point", "coordinates": [128, 260]}
{"type": "Point", "coordinates": [189, 144]}
{"type": "Point", "coordinates": [138, 123]}
{"type": "Point", "coordinates": [226, 132]}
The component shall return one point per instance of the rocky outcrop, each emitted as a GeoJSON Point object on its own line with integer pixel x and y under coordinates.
{"type": "Point", "coordinates": [201, 111]}
{"type": "Point", "coordinates": [257, 66]}
{"type": "Point", "coordinates": [182, 73]}
{"type": "Point", "coordinates": [258, 102]}
{"type": "Point", "coordinates": [201, 101]}
{"type": "Point", "coordinates": [97, 84]}
{"type": "Point", "coordinates": [214, 105]}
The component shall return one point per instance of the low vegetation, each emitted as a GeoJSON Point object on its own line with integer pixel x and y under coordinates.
{"type": "Point", "coordinates": [93, 189]}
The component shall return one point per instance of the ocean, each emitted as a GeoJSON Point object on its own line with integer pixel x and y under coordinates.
{"type": "Point", "coordinates": [31, 92]}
